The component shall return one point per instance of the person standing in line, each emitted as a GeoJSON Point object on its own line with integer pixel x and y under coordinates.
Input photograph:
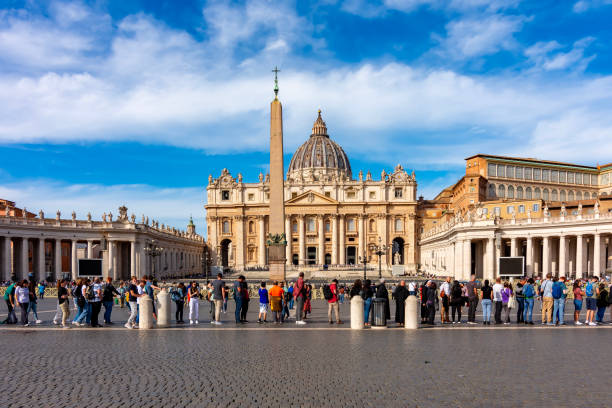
{"type": "Point", "coordinates": [401, 294]}
{"type": "Point", "coordinates": [238, 299]}
{"type": "Point", "coordinates": [108, 296]}
{"type": "Point", "coordinates": [286, 298]}
{"type": "Point", "coordinates": [559, 295]}
{"type": "Point", "coordinates": [299, 295]}
{"type": "Point", "coordinates": [445, 297]}
{"type": "Point", "coordinates": [9, 298]}
{"type": "Point", "coordinates": [487, 299]}
{"type": "Point", "coordinates": [332, 304]}
{"type": "Point", "coordinates": [529, 292]}
{"type": "Point", "coordinates": [33, 304]}
{"type": "Point", "coordinates": [133, 295]}
{"type": "Point", "coordinates": [383, 293]}
{"type": "Point", "coordinates": [219, 293]}
{"type": "Point", "coordinates": [42, 285]}
{"type": "Point", "coordinates": [602, 302]}
{"type": "Point", "coordinates": [178, 295]}
{"type": "Point", "coordinates": [591, 301]}
{"type": "Point", "coordinates": [263, 303]}
{"type": "Point", "coordinates": [506, 294]}
{"type": "Point", "coordinates": [290, 289]}
{"type": "Point", "coordinates": [456, 301]}
{"type": "Point", "coordinates": [423, 296]}
{"type": "Point", "coordinates": [367, 295]}
{"type": "Point", "coordinates": [472, 293]}
{"type": "Point", "coordinates": [520, 300]}
{"type": "Point", "coordinates": [96, 304]}
{"type": "Point", "coordinates": [341, 291]}
{"type": "Point", "coordinates": [150, 289]}
{"type": "Point", "coordinates": [122, 293]}
{"type": "Point", "coordinates": [578, 296]}
{"type": "Point", "coordinates": [276, 302]}
{"type": "Point", "coordinates": [547, 300]}
{"type": "Point", "coordinates": [79, 298]}
{"type": "Point", "coordinates": [22, 299]}
{"type": "Point", "coordinates": [246, 298]}
{"type": "Point", "coordinates": [356, 289]}
{"type": "Point", "coordinates": [497, 300]}
{"type": "Point", "coordinates": [432, 299]}
{"type": "Point", "coordinates": [62, 298]}
{"type": "Point", "coordinates": [194, 303]}
{"type": "Point", "coordinates": [307, 302]}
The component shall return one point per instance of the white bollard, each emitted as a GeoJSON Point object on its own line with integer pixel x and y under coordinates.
{"type": "Point", "coordinates": [411, 315]}
{"type": "Point", "coordinates": [145, 313]}
{"type": "Point", "coordinates": [164, 309]}
{"type": "Point", "coordinates": [357, 313]}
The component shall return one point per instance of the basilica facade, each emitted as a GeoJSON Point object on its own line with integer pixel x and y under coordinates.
{"type": "Point", "coordinates": [331, 217]}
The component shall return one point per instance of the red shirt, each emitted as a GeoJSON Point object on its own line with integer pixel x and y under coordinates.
{"type": "Point", "coordinates": [334, 290]}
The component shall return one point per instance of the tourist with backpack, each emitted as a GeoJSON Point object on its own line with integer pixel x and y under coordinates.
{"type": "Point", "coordinates": [529, 293]}
{"type": "Point", "coordinates": [62, 298]}
{"type": "Point", "coordinates": [547, 300]}
{"type": "Point", "coordinates": [33, 305]}
{"type": "Point", "coordinates": [578, 296]}
{"type": "Point", "coordinates": [367, 294]}
{"type": "Point", "coordinates": [178, 295]}
{"type": "Point", "coordinates": [507, 295]}
{"type": "Point", "coordinates": [96, 302]}
{"type": "Point", "coordinates": [445, 289]}
{"type": "Point", "coordinates": [133, 295]}
{"type": "Point", "coordinates": [520, 300]}
{"type": "Point", "coordinates": [559, 293]}
{"type": "Point", "coordinates": [286, 298]}
{"type": "Point", "coordinates": [330, 292]}
{"type": "Point", "coordinates": [472, 298]}
{"type": "Point", "coordinates": [108, 297]}
{"type": "Point", "coordinates": [591, 301]}
{"type": "Point", "coordinates": [456, 301]}
{"type": "Point", "coordinates": [9, 298]}
{"type": "Point", "coordinates": [602, 302]}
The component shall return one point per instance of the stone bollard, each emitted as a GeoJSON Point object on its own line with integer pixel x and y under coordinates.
{"type": "Point", "coordinates": [163, 310]}
{"type": "Point", "coordinates": [357, 313]}
{"type": "Point", "coordinates": [411, 315]}
{"type": "Point", "coordinates": [145, 313]}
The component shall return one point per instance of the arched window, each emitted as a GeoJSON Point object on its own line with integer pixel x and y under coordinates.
{"type": "Point", "coordinates": [594, 195]}
{"type": "Point", "coordinates": [501, 191]}
{"type": "Point", "coordinates": [251, 227]}
{"type": "Point", "coordinates": [399, 224]}
{"type": "Point", "coordinates": [537, 194]}
{"type": "Point", "coordinates": [528, 193]}
{"type": "Point", "coordinates": [578, 195]}
{"type": "Point", "coordinates": [570, 196]}
{"type": "Point", "coordinates": [510, 192]}
{"type": "Point", "coordinates": [519, 193]}
{"type": "Point", "coordinates": [545, 195]}
{"type": "Point", "coordinates": [491, 191]}
{"type": "Point", "coordinates": [226, 227]}
{"type": "Point", "coordinates": [563, 195]}
{"type": "Point", "coordinates": [372, 225]}
{"type": "Point", "coordinates": [554, 196]}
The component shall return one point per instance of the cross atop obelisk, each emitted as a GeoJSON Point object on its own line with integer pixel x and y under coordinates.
{"type": "Point", "coordinates": [276, 221]}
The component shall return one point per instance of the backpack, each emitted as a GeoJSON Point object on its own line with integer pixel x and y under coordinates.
{"type": "Point", "coordinates": [589, 289]}
{"type": "Point", "coordinates": [89, 293]}
{"type": "Point", "coordinates": [557, 290]}
{"type": "Point", "coordinates": [603, 298]}
{"type": "Point", "coordinates": [327, 293]}
{"type": "Point", "coordinates": [528, 291]}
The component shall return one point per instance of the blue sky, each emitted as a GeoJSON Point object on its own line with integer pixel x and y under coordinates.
{"type": "Point", "coordinates": [107, 102]}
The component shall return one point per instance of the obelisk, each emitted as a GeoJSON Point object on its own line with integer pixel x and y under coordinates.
{"type": "Point", "coordinates": [276, 234]}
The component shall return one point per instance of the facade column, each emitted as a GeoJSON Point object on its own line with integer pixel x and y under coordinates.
{"type": "Point", "coordinates": [89, 249]}
{"type": "Point", "coordinates": [545, 256]}
{"type": "Point", "coordinates": [609, 259]}
{"type": "Point", "coordinates": [239, 219]}
{"type": "Point", "coordinates": [597, 255]}
{"type": "Point", "coordinates": [133, 259]}
{"type": "Point", "coordinates": [384, 236]}
{"type": "Point", "coordinates": [562, 256]}
{"type": "Point", "coordinates": [490, 260]}
{"type": "Point", "coordinates": [334, 239]}
{"type": "Point", "coordinates": [579, 257]}
{"type": "Point", "coordinates": [467, 259]}
{"type": "Point", "coordinates": [513, 247]}
{"type": "Point", "coordinates": [458, 258]}
{"type": "Point", "coordinates": [361, 242]}
{"type": "Point", "coordinates": [142, 261]}
{"type": "Point", "coordinates": [58, 259]}
{"type": "Point", "coordinates": [529, 257]}
{"type": "Point", "coordinates": [341, 244]}
{"type": "Point", "coordinates": [73, 254]}
{"type": "Point", "coordinates": [41, 259]}
{"type": "Point", "coordinates": [302, 239]}
{"type": "Point", "coordinates": [261, 251]}
{"type": "Point", "coordinates": [321, 236]}
{"type": "Point", "coordinates": [110, 268]}
{"type": "Point", "coordinates": [289, 238]}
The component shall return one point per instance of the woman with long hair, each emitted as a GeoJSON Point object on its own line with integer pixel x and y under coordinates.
{"type": "Point", "coordinates": [486, 296]}
{"type": "Point", "coordinates": [367, 295]}
{"type": "Point", "coordinates": [578, 296]}
{"type": "Point", "coordinates": [33, 305]}
{"type": "Point", "coordinates": [22, 299]}
{"type": "Point", "coordinates": [194, 303]}
{"type": "Point", "coordinates": [355, 289]}
{"type": "Point", "coordinates": [62, 298]}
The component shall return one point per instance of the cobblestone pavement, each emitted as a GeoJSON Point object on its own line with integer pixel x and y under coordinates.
{"type": "Point", "coordinates": [316, 365]}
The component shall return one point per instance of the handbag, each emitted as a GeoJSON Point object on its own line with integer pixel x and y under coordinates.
{"type": "Point", "coordinates": [511, 303]}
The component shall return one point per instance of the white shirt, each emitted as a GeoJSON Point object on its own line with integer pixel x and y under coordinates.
{"type": "Point", "coordinates": [497, 289]}
{"type": "Point", "coordinates": [411, 287]}
{"type": "Point", "coordinates": [140, 292]}
{"type": "Point", "coordinates": [22, 295]}
{"type": "Point", "coordinates": [446, 288]}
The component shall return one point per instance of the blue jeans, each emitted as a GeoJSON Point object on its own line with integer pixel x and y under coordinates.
{"type": "Point", "coordinates": [366, 309]}
{"type": "Point", "coordinates": [528, 315]}
{"type": "Point", "coordinates": [291, 303]}
{"type": "Point", "coordinates": [33, 307]}
{"type": "Point", "coordinates": [486, 310]}
{"type": "Point", "coordinates": [600, 314]}
{"type": "Point", "coordinates": [108, 309]}
{"type": "Point", "coordinates": [558, 308]}
{"type": "Point", "coordinates": [238, 308]}
{"type": "Point", "coordinates": [85, 314]}
{"type": "Point", "coordinates": [520, 312]}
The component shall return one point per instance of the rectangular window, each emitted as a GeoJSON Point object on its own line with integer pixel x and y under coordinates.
{"type": "Point", "coordinates": [510, 209]}
{"type": "Point", "coordinates": [546, 175]}
{"type": "Point", "coordinates": [536, 207]}
{"type": "Point", "coordinates": [293, 194]}
{"type": "Point", "coordinates": [485, 211]}
{"type": "Point", "coordinates": [578, 178]}
{"type": "Point", "coordinates": [594, 179]}
{"type": "Point", "coordinates": [510, 171]}
{"type": "Point", "coordinates": [528, 171]}
{"type": "Point", "coordinates": [399, 225]}
{"type": "Point", "coordinates": [521, 209]}
{"type": "Point", "coordinates": [267, 196]}
{"type": "Point", "coordinates": [251, 197]}
{"type": "Point", "coordinates": [554, 176]}
{"type": "Point", "coordinates": [537, 174]}
{"type": "Point", "coordinates": [562, 177]}
{"type": "Point", "coordinates": [518, 173]}
{"type": "Point", "coordinates": [225, 195]}
{"type": "Point", "coordinates": [570, 178]}
{"type": "Point", "coordinates": [327, 194]}
{"type": "Point", "coordinates": [497, 210]}
{"type": "Point", "coordinates": [501, 170]}
{"type": "Point", "coordinates": [350, 194]}
{"type": "Point", "coordinates": [350, 225]}
{"type": "Point", "coordinates": [605, 179]}
{"type": "Point", "coordinates": [372, 195]}
{"type": "Point", "coordinates": [310, 225]}
{"type": "Point", "coordinates": [492, 170]}
{"type": "Point", "coordinates": [398, 193]}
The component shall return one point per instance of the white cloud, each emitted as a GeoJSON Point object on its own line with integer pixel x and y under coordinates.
{"type": "Point", "coordinates": [372, 9]}
{"type": "Point", "coordinates": [542, 55]}
{"type": "Point", "coordinates": [585, 5]}
{"type": "Point", "coordinates": [171, 206]}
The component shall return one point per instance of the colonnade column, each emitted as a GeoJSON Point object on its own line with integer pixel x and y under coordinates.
{"type": "Point", "coordinates": [579, 258]}
{"type": "Point", "coordinates": [529, 257]}
{"type": "Point", "coordinates": [384, 235]}
{"type": "Point", "coordinates": [562, 256]}
{"type": "Point", "coordinates": [513, 247]}
{"type": "Point", "coordinates": [545, 256]}
{"type": "Point", "coordinates": [110, 269]}
{"type": "Point", "coordinates": [490, 264]}
{"type": "Point", "coordinates": [302, 239]}
{"type": "Point", "coordinates": [321, 236]}
{"type": "Point", "coordinates": [341, 244]}
{"type": "Point", "coordinates": [334, 239]}
{"type": "Point", "coordinates": [41, 259]}
{"type": "Point", "coordinates": [58, 259]}
{"type": "Point", "coordinates": [289, 240]}
{"type": "Point", "coordinates": [597, 255]}
{"type": "Point", "coordinates": [467, 259]}
{"type": "Point", "coordinates": [609, 260]}
{"type": "Point", "coordinates": [133, 259]}
{"type": "Point", "coordinates": [73, 255]}
{"type": "Point", "coordinates": [7, 259]}
{"type": "Point", "coordinates": [261, 252]}
{"type": "Point", "coordinates": [89, 249]}
{"type": "Point", "coordinates": [25, 264]}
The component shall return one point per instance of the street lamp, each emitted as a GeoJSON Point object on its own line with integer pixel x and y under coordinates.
{"type": "Point", "coordinates": [380, 249]}
{"type": "Point", "coordinates": [153, 251]}
{"type": "Point", "coordinates": [364, 259]}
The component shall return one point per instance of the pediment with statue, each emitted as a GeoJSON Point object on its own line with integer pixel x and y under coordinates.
{"type": "Point", "coordinates": [400, 175]}
{"type": "Point", "coordinates": [225, 180]}
{"type": "Point", "coordinates": [311, 198]}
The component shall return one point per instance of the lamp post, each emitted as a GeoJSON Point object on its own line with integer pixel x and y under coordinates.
{"type": "Point", "coordinates": [153, 251]}
{"type": "Point", "coordinates": [364, 259]}
{"type": "Point", "coordinates": [380, 249]}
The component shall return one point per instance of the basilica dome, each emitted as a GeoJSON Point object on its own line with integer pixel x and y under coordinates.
{"type": "Point", "coordinates": [319, 158]}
